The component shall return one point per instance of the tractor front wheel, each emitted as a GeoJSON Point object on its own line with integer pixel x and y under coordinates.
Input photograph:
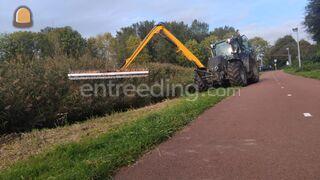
{"type": "Point", "coordinates": [200, 84]}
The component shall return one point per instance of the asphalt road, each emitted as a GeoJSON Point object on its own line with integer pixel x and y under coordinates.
{"type": "Point", "coordinates": [261, 134]}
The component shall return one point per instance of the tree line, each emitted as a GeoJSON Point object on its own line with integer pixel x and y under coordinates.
{"type": "Point", "coordinates": [65, 41]}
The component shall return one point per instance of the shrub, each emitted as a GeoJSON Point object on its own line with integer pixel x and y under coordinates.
{"type": "Point", "coordinates": [37, 93]}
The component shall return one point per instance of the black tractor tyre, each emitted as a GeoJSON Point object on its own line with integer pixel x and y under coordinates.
{"type": "Point", "coordinates": [255, 77]}
{"type": "Point", "coordinates": [200, 85]}
{"type": "Point", "coordinates": [237, 74]}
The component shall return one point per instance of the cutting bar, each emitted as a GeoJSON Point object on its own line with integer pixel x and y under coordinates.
{"type": "Point", "coordinates": [108, 75]}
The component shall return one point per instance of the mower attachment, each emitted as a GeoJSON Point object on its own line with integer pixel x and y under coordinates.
{"type": "Point", "coordinates": [107, 75]}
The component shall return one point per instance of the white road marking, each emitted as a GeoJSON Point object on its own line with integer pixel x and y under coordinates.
{"type": "Point", "coordinates": [250, 140]}
{"type": "Point", "coordinates": [289, 95]}
{"type": "Point", "coordinates": [307, 115]}
{"type": "Point", "coordinates": [250, 144]}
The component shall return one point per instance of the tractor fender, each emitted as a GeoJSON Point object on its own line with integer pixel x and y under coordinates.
{"type": "Point", "coordinates": [233, 60]}
{"type": "Point", "coordinates": [245, 59]}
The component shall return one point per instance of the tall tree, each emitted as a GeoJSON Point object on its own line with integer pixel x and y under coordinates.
{"type": "Point", "coordinates": [165, 51]}
{"type": "Point", "coordinates": [312, 19]}
{"type": "Point", "coordinates": [2, 44]}
{"type": "Point", "coordinates": [102, 47]}
{"type": "Point", "coordinates": [142, 29]}
{"type": "Point", "coordinates": [224, 32]}
{"type": "Point", "coordinates": [259, 43]}
{"type": "Point", "coordinates": [308, 50]}
{"type": "Point", "coordinates": [24, 45]}
{"type": "Point", "coordinates": [121, 39]}
{"type": "Point", "coordinates": [132, 44]}
{"type": "Point", "coordinates": [261, 48]}
{"type": "Point", "coordinates": [66, 41]}
{"type": "Point", "coordinates": [44, 47]}
{"type": "Point", "coordinates": [159, 49]}
{"type": "Point", "coordinates": [279, 50]}
{"type": "Point", "coordinates": [197, 49]}
{"type": "Point", "coordinates": [199, 30]}
{"type": "Point", "coordinates": [206, 47]}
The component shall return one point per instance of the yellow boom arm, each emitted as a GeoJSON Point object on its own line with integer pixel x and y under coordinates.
{"type": "Point", "coordinates": [156, 30]}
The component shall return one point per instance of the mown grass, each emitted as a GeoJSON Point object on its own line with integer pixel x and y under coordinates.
{"type": "Point", "coordinates": [315, 74]}
{"type": "Point", "coordinates": [99, 158]}
{"type": "Point", "coordinates": [309, 70]}
{"type": "Point", "coordinates": [17, 147]}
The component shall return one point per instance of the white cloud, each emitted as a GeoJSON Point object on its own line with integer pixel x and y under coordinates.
{"type": "Point", "coordinates": [272, 33]}
{"type": "Point", "coordinates": [98, 16]}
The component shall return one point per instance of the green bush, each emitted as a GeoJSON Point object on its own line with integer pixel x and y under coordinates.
{"type": "Point", "coordinates": [310, 69]}
{"type": "Point", "coordinates": [37, 93]}
{"type": "Point", "coordinates": [306, 66]}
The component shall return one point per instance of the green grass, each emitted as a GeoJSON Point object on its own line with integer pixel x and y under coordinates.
{"type": "Point", "coordinates": [309, 70]}
{"type": "Point", "coordinates": [99, 158]}
{"type": "Point", "coordinates": [315, 74]}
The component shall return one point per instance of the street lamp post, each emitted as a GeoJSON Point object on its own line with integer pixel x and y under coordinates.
{"type": "Point", "coordinates": [261, 59]}
{"type": "Point", "coordinates": [289, 56]}
{"type": "Point", "coordinates": [299, 56]}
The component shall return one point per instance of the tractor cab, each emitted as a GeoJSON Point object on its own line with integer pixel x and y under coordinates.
{"type": "Point", "coordinates": [233, 60]}
{"type": "Point", "coordinates": [230, 48]}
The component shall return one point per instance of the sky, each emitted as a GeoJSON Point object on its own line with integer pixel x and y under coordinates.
{"type": "Point", "coordinates": [269, 19]}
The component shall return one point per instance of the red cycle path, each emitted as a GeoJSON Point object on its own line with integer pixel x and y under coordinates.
{"type": "Point", "coordinates": [261, 134]}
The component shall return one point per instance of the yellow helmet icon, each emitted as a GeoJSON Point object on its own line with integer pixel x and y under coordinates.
{"type": "Point", "coordinates": [22, 17]}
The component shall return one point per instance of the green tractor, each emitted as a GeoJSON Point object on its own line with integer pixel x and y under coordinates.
{"type": "Point", "coordinates": [233, 63]}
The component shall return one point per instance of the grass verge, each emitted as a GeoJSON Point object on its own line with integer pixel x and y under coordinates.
{"type": "Point", "coordinates": [315, 74]}
{"type": "Point", "coordinates": [99, 158]}
{"type": "Point", "coordinates": [309, 70]}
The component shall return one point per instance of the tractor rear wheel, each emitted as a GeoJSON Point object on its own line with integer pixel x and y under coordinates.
{"type": "Point", "coordinates": [237, 74]}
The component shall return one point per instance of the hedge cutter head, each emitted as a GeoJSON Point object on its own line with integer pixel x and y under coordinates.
{"type": "Point", "coordinates": [107, 75]}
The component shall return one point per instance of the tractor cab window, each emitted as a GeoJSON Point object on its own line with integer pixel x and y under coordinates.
{"type": "Point", "coordinates": [223, 49]}
{"type": "Point", "coordinates": [245, 43]}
